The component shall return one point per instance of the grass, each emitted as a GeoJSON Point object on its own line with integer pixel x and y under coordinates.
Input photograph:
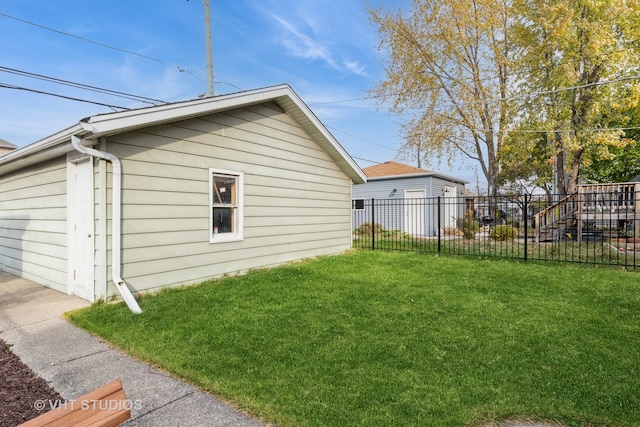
{"type": "Point", "coordinates": [603, 253]}
{"type": "Point", "coordinates": [399, 339]}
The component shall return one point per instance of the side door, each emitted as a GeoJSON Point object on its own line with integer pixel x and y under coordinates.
{"type": "Point", "coordinates": [450, 207]}
{"type": "Point", "coordinates": [414, 212]}
{"type": "Point", "coordinates": [80, 226]}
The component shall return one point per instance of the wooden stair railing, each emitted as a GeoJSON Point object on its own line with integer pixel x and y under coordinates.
{"type": "Point", "coordinates": [556, 215]}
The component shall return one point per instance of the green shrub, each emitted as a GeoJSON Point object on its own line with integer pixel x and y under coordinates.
{"type": "Point", "coordinates": [469, 225]}
{"type": "Point", "coordinates": [504, 232]}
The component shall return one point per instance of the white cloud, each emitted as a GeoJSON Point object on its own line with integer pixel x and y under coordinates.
{"type": "Point", "coordinates": [306, 38]}
{"type": "Point", "coordinates": [356, 68]}
{"type": "Point", "coordinates": [304, 46]}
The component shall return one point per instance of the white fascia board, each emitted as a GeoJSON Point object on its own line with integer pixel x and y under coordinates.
{"type": "Point", "coordinates": [45, 149]}
{"type": "Point", "coordinates": [113, 123]}
{"type": "Point", "coordinates": [419, 175]}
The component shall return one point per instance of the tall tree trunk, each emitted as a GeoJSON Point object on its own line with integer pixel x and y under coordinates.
{"type": "Point", "coordinates": [574, 171]}
{"type": "Point", "coordinates": [560, 184]}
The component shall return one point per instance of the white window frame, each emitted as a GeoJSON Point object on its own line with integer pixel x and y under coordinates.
{"type": "Point", "coordinates": [238, 219]}
{"type": "Point", "coordinates": [355, 203]}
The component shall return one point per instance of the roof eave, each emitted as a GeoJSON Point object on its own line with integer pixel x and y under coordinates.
{"type": "Point", "coordinates": [283, 95]}
{"type": "Point", "coordinates": [419, 175]}
{"type": "Point", "coordinates": [43, 150]}
{"type": "Point", "coordinates": [124, 121]}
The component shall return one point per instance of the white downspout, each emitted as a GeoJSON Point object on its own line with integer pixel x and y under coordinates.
{"type": "Point", "coordinates": [116, 221]}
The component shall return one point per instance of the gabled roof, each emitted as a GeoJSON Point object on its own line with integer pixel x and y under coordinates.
{"type": "Point", "coordinates": [94, 127]}
{"type": "Point", "coordinates": [395, 170]}
{"type": "Point", "coordinates": [391, 168]}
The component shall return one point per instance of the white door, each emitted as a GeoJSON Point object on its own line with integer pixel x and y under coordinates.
{"type": "Point", "coordinates": [414, 212]}
{"type": "Point", "coordinates": [450, 207]}
{"type": "Point", "coordinates": [80, 220]}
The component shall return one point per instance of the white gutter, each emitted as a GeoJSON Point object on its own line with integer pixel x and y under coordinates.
{"type": "Point", "coordinates": [116, 221]}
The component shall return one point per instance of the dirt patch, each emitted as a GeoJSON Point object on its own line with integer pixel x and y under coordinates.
{"type": "Point", "coordinates": [626, 245]}
{"type": "Point", "coordinates": [20, 389]}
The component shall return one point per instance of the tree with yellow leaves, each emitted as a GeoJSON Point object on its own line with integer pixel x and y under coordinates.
{"type": "Point", "coordinates": [579, 74]}
{"type": "Point", "coordinates": [489, 78]}
{"type": "Point", "coordinates": [448, 69]}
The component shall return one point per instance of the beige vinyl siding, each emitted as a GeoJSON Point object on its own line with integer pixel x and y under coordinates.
{"type": "Point", "coordinates": [297, 200]}
{"type": "Point", "coordinates": [33, 224]}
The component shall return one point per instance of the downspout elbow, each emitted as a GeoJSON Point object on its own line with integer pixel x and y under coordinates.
{"type": "Point", "coordinates": [116, 221]}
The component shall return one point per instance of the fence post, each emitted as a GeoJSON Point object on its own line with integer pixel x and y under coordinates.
{"type": "Point", "coordinates": [373, 224]}
{"type": "Point", "coordinates": [439, 228]}
{"type": "Point", "coordinates": [526, 226]}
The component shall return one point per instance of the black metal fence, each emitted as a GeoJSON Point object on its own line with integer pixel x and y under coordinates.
{"type": "Point", "coordinates": [598, 225]}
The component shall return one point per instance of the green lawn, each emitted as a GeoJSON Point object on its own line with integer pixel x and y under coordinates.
{"type": "Point", "coordinates": [399, 339]}
{"type": "Point", "coordinates": [603, 253]}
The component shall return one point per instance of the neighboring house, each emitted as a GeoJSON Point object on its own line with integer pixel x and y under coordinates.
{"type": "Point", "coordinates": [6, 147]}
{"type": "Point", "coordinates": [174, 194]}
{"type": "Point", "coordinates": [402, 192]}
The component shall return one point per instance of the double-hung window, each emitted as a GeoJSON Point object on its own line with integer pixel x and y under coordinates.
{"type": "Point", "coordinates": [226, 200]}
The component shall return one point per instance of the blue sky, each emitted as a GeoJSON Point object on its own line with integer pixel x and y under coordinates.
{"type": "Point", "coordinates": [325, 49]}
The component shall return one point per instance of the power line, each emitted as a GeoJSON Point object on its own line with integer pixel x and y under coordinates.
{"type": "Point", "coordinates": [365, 160]}
{"type": "Point", "coordinates": [533, 131]}
{"type": "Point", "coordinates": [491, 100]}
{"type": "Point", "coordinates": [373, 97]}
{"type": "Point", "coordinates": [104, 45]}
{"type": "Point", "coordinates": [81, 86]}
{"type": "Point", "coordinates": [8, 86]}
{"type": "Point", "coordinates": [570, 88]}
{"type": "Point", "coordinates": [193, 74]}
{"type": "Point", "coordinates": [81, 38]}
{"type": "Point", "coordinates": [362, 139]}
{"type": "Point", "coordinates": [573, 130]}
{"type": "Point", "coordinates": [365, 98]}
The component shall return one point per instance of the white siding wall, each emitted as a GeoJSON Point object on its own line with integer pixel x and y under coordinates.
{"type": "Point", "coordinates": [391, 212]}
{"type": "Point", "coordinates": [297, 201]}
{"type": "Point", "coordinates": [33, 224]}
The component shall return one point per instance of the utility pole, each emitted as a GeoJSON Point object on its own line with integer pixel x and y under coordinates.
{"type": "Point", "coordinates": [207, 29]}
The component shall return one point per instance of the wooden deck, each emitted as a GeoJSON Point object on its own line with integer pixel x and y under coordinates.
{"type": "Point", "coordinates": [614, 208]}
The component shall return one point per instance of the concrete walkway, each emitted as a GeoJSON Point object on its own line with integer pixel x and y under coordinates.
{"type": "Point", "coordinates": [75, 363]}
